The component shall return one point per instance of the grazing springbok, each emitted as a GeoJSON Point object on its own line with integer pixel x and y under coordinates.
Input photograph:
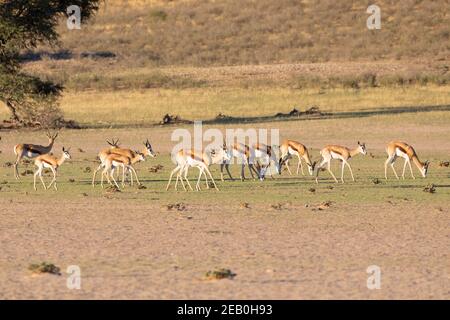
{"type": "Point", "coordinates": [32, 151]}
{"type": "Point", "coordinates": [115, 149]}
{"type": "Point", "coordinates": [51, 162]}
{"type": "Point", "coordinates": [340, 153]}
{"type": "Point", "coordinates": [113, 161]}
{"type": "Point", "coordinates": [401, 149]}
{"type": "Point", "coordinates": [201, 160]}
{"type": "Point", "coordinates": [290, 148]}
{"type": "Point", "coordinates": [264, 156]}
{"type": "Point", "coordinates": [242, 153]}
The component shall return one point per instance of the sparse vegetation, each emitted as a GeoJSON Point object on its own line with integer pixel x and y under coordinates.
{"type": "Point", "coordinates": [176, 206]}
{"type": "Point", "coordinates": [219, 274]}
{"type": "Point", "coordinates": [235, 32]}
{"type": "Point", "coordinates": [431, 188]}
{"type": "Point", "coordinates": [44, 267]}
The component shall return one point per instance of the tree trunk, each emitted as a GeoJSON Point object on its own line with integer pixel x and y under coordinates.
{"type": "Point", "coordinates": [13, 111]}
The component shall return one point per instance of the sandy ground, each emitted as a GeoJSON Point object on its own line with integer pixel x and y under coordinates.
{"type": "Point", "coordinates": [294, 253]}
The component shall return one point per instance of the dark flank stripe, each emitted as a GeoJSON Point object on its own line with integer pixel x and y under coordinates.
{"type": "Point", "coordinates": [293, 146]}
{"type": "Point", "coordinates": [50, 164]}
{"type": "Point", "coordinates": [34, 151]}
{"type": "Point", "coordinates": [336, 151]}
{"type": "Point", "coordinates": [401, 149]}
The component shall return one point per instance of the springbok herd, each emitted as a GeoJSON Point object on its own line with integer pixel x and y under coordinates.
{"type": "Point", "coordinates": [259, 158]}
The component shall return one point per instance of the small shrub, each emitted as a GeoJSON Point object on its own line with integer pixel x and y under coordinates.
{"type": "Point", "coordinates": [219, 274]}
{"type": "Point", "coordinates": [44, 267]}
{"type": "Point", "coordinates": [158, 15]}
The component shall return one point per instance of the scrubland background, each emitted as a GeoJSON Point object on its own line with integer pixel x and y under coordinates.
{"type": "Point", "coordinates": [137, 60]}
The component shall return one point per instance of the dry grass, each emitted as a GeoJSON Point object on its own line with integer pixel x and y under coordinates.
{"type": "Point", "coordinates": [197, 32]}
{"type": "Point", "coordinates": [122, 46]}
{"type": "Point", "coordinates": [149, 106]}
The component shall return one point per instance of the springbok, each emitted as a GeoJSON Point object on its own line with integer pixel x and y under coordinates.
{"type": "Point", "coordinates": [115, 149]}
{"type": "Point", "coordinates": [113, 161]}
{"type": "Point", "coordinates": [201, 160]}
{"type": "Point", "coordinates": [242, 153]}
{"type": "Point", "coordinates": [264, 155]}
{"type": "Point", "coordinates": [51, 162]}
{"type": "Point", "coordinates": [341, 153]}
{"type": "Point", "coordinates": [32, 151]}
{"type": "Point", "coordinates": [289, 148]}
{"type": "Point", "coordinates": [401, 149]}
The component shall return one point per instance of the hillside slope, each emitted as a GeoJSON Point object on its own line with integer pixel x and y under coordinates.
{"type": "Point", "coordinates": [236, 32]}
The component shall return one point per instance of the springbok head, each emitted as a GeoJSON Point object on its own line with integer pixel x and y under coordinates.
{"type": "Point", "coordinates": [149, 149]}
{"type": "Point", "coordinates": [362, 148]}
{"type": "Point", "coordinates": [66, 153]}
{"type": "Point", "coordinates": [311, 167]}
{"type": "Point", "coordinates": [424, 169]}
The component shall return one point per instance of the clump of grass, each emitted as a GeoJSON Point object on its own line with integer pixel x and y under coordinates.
{"type": "Point", "coordinates": [87, 170]}
{"type": "Point", "coordinates": [323, 206]}
{"type": "Point", "coordinates": [112, 189]}
{"type": "Point", "coordinates": [244, 205]}
{"type": "Point", "coordinates": [219, 274]}
{"type": "Point", "coordinates": [444, 164]}
{"type": "Point", "coordinates": [176, 206]}
{"type": "Point", "coordinates": [26, 172]}
{"type": "Point", "coordinates": [431, 188]}
{"type": "Point", "coordinates": [158, 14]}
{"type": "Point", "coordinates": [278, 206]}
{"type": "Point", "coordinates": [44, 267]}
{"type": "Point", "coordinates": [376, 181]}
{"type": "Point", "coordinates": [156, 168]}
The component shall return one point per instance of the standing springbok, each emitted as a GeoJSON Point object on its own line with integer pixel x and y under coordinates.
{"type": "Point", "coordinates": [51, 162]}
{"type": "Point", "coordinates": [32, 151]}
{"type": "Point", "coordinates": [201, 160]}
{"type": "Point", "coordinates": [102, 155]}
{"type": "Point", "coordinates": [401, 149]}
{"type": "Point", "coordinates": [243, 154]}
{"type": "Point", "coordinates": [289, 148]}
{"type": "Point", "coordinates": [341, 153]}
{"type": "Point", "coordinates": [113, 161]}
{"type": "Point", "coordinates": [115, 149]}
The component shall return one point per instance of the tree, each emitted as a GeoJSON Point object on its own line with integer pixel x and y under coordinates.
{"type": "Point", "coordinates": [24, 24]}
